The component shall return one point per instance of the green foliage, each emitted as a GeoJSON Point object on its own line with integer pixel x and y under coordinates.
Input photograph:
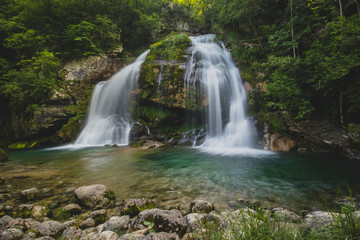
{"type": "Point", "coordinates": [354, 132]}
{"type": "Point", "coordinates": [32, 83]}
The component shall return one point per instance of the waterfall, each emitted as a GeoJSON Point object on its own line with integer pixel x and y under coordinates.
{"type": "Point", "coordinates": [109, 118]}
{"type": "Point", "coordinates": [212, 68]}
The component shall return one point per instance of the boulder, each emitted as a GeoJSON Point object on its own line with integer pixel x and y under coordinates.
{"type": "Point", "coordinates": [170, 221]}
{"type": "Point", "coordinates": [51, 228]}
{"type": "Point", "coordinates": [71, 233]}
{"type": "Point", "coordinates": [3, 156]}
{"type": "Point", "coordinates": [117, 224]}
{"type": "Point", "coordinates": [133, 236]}
{"type": "Point", "coordinates": [72, 209]}
{"type": "Point", "coordinates": [11, 234]}
{"type": "Point", "coordinates": [5, 222]}
{"type": "Point", "coordinates": [201, 206]}
{"type": "Point", "coordinates": [30, 194]}
{"type": "Point", "coordinates": [133, 206]}
{"type": "Point", "coordinates": [319, 219]}
{"type": "Point", "coordinates": [283, 215]}
{"type": "Point", "coordinates": [194, 220]}
{"type": "Point", "coordinates": [106, 235]}
{"type": "Point", "coordinates": [87, 223]}
{"type": "Point", "coordinates": [95, 196]}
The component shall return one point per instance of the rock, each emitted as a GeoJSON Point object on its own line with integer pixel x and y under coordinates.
{"type": "Point", "coordinates": [146, 215]}
{"type": "Point", "coordinates": [95, 196]}
{"type": "Point", "coordinates": [106, 235]}
{"type": "Point", "coordinates": [31, 223]}
{"type": "Point", "coordinates": [194, 220]}
{"type": "Point", "coordinates": [23, 211]}
{"type": "Point", "coordinates": [138, 131]}
{"type": "Point", "coordinates": [29, 236]}
{"type": "Point", "coordinates": [201, 206]}
{"type": "Point", "coordinates": [45, 238]}
{"type": "Point", "coordinates": [99, 216]}
{"type": "Point", "coordinates": [117, 224]}
{"type": "Point", "coordinates": [133, 236]}
{"type": "Point", "coordinates": [51, 228]}
{"type": "Point", "coordinates": [253, 204]}
{"type": "Point", "coordinates": [72, 209]}
{"type": "Point", "coordinates": [11, 234]}
{"type": "Point", "coordinates": [3, 156]}
{"type": "Point", "coordinates": [276, 142]}
{"type": "Point", "coordinates": [38, 212]}
{"type": "Point", "coordinates": [133, 206]}
{"type": "Point", "coordinates": [5, 222]}
{"type": "Point", "coordinates": [283, 215]}
{"type": "Point", "coordinates": [30, 194]}
{"type": "Point", "coordinates": [152, 144]}
{"type": "Point", "coordinates": [170, 221]}
{"type": "Point", "coordinates": [87, 223]}
{"type": "Point", "coordinates": [71, 233]}
{"type": "Point", "coordinates": [163, 236]}
{"type": "Point", "coordinates": [319, 219]}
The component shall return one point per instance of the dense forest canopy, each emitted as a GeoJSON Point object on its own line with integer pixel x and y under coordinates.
{"type": "Point", "coordinates": [302, 57]}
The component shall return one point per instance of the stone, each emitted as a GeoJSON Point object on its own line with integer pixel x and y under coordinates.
{"type": "Point", "coordinates": [117, 224]}
{"type": "Point", "coordinates": [11, 234]}
{"type": "Point", "coordinates": [170, 221]}
{"type": "Point", "coordinates": [45, 238]}
{"type": "Point", "coordinates": [51, 228]}
{"type": "Point", "coordinates": [149, 144]}
{"type": "Point", "coordinates": [319, 219]}
{"type": "Point", "coordinates": [133, 236]}
{"type": "Point", "coordinates": [3, 156]}
{"type": "Point", "coordinates": [194, 220]}
{"type": "Point", "coordinates": [30, 223]}
{"type": "Point", "coordinates": [106, 235]}
{"type": "Point", "coordinates": [277, 142]}
{"type": "Point", "coordinates": [201, 206]}
{"type": "Point", "coordinates": [30, 194]}
{"type": "Point", "coordinates": [99, 216]}
{"type": "Point", "coordinates": [38, 212]}
{"type": "Point", "coordinates": [87, 223]}
{"type": "Point", "coordinates": [163, 236]}
{"type": "Point", "coordinates": [133, 206]}
{"type": "Point", "coordinates": [5, 222]}
{"type": "Point", "coordinates": [29, 236]}
{"type": "Point", "coordinates": [73, 209]}
{"type": "Point", "coordinates": [283, 215]}
{"type": "Point", "coordinates": [95, 196]}
{"type": "Point", "coordinates": [145, 215]}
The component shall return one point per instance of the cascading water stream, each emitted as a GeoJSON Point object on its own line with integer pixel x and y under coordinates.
{"type": "Point", "coordinates": [109, 118]}
{"type": "Point", "coordinates": [227, 126]}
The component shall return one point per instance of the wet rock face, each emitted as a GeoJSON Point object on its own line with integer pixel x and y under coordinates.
{"type": "Point", "coordinates": [170, 221]}
{"type": "Point", "coordinates": [95, 196]}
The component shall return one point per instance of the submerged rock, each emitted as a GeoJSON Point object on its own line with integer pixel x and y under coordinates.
{"type": "Point", "coordinates": [95, 196]}
{"type": "Point", "coordinates": [30, 194]}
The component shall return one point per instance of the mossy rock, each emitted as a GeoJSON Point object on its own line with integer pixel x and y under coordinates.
{"type": "Point", "coordinates": [23, 211]}
{"type": "Point", "coordinates": [23, 145]}
{"type": "Point", "coordinates": [133, 207]}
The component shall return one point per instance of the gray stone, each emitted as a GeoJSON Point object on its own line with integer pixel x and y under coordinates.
{"type": "Point", "coordinates": [95, 196]}
{"type": "Point", "coordinates": [146, 215]}
{"type": "Point", "coordinates": [45, 238]}
{"type": "Point", "coordinates": [283, 215]}
{"type": "Point", "coordinates": [89, 222]}
{"type": "Point", "coordinates": [73, 209]}
{"type": "Point", "coordinates": [319, 219]}
{"type": "Point", "coordinates": [30, 194]}
{"type": "Point", "coordinates": [194, 221]}
{"type": "Point", "coordinates": [51, 228]}
{"type": "Point", "coordinates": [163, 236]}
{"type": "Point", "coordinates": [170, 221]}
{"type": "Point", "coordinates": [71, 233]}
{"type": "Point", "coordinates": [29, 236]}
{"type": "Point", "coordinates": [117, 224]}
{"type": "Point", "coordinates": [11, 234]}
{"type": "Point", "coordinates": [38, 212]}
{"type": "Point", "coordinates": [201, 206]}
{"type": "Point", "coordinates": [133, 206]}
{"type": "Point", "coordinates": [31, 223]}
{"type": "Point", "coordinates": [133, 236]}
{"type": "Point", "coordinates": [5, 222]}
{"type": "Point", "coordinates": [106, 235]}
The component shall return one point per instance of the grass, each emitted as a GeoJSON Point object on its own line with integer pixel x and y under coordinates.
{"type": "Point", "coordinates": [260, 225]}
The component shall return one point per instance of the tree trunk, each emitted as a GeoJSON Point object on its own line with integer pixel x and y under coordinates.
{"type": "Point", "coordinates": [292, 28]}
{"type": "Point", "coordinates": [340, 6]}
{"type": "Point", "coordinates": [358, 6]}
{"type": "Point", "coordinates": [341, 107]}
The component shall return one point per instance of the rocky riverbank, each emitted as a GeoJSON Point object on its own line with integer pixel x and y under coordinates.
{"type": "Point", "coordinates": [94, 212]}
